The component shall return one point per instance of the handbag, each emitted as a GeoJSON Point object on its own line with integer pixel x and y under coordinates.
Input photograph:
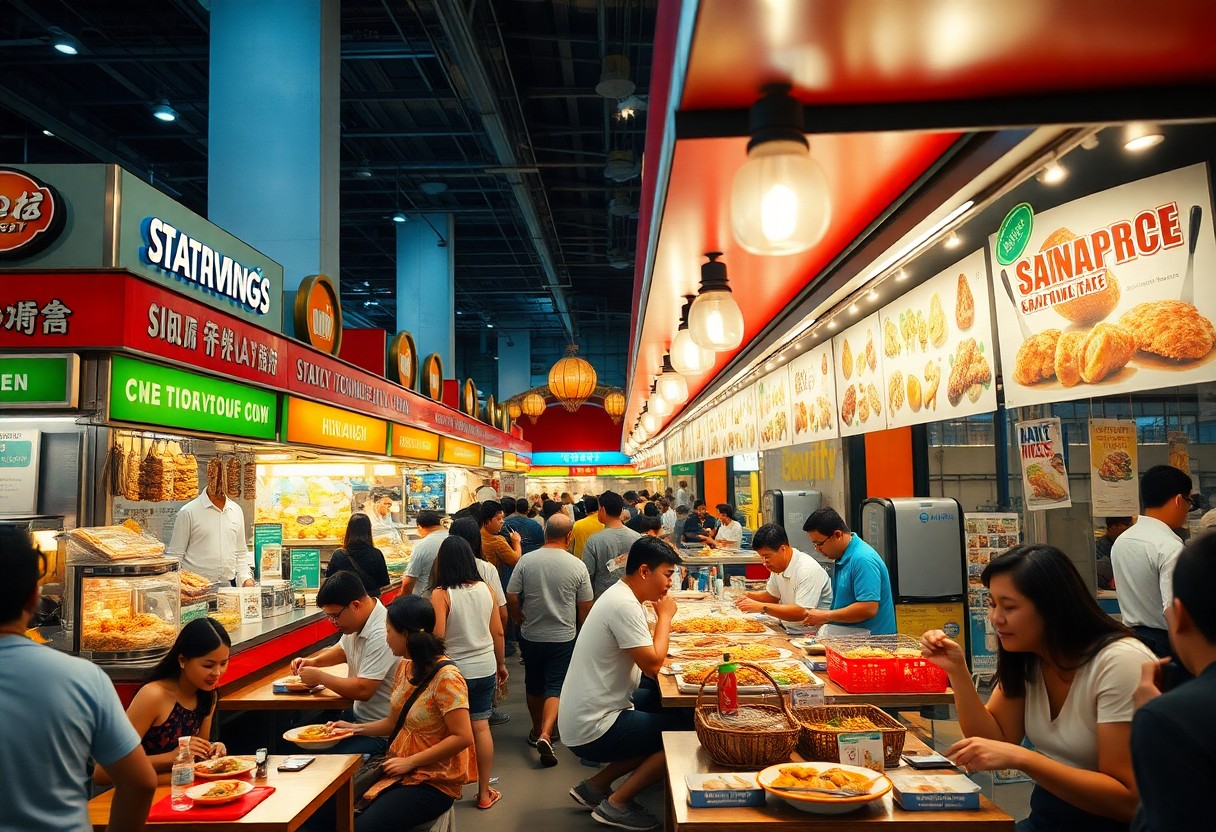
{"type": "Point", "coordinates": [371, 771]}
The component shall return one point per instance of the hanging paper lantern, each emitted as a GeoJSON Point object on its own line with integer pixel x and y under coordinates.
{"type": "Point", "coordinates": [533, 406]}
{"type": "Point", "coordinates": [614, 405]}
{"type": "Point", "coordinates": [514, 409]}
{"type": "Point", "coordinates": [572, 380]}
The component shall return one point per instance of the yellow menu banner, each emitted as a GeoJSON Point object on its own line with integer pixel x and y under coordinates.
{"type": "Point", "coordinates": [460, 453]}
{"type": "Point", "coordinates": [508, 461]}
{"type": "Point", "coordinates": [413, 443]}
{"type": "Point", "coordinates": [310, 423]}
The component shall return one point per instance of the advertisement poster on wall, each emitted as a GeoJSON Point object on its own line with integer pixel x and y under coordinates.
{"type": "Point", "coordinates": [858, 353]}
{"type": "Point", "coordinates": [1108, 294]}
{"type": "Point", "coordinates": [1044, 475]}
{"type": "Point", "coordinates": [938, 350]}
{"type": "Point", "coordinates": [813, 406]}
{"type": "Point", "coordinates": [986, 536]}
{"type": "Point", "coordinates": [1113, 468]}
{"type": "Point", "coordinates": [773, 409]}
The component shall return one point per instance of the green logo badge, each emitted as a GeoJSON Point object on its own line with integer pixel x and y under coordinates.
{"type": "Point", "coordinates": [1014, 233]}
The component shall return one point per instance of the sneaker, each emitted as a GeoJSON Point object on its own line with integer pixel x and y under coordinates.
{"type": "Point", "coordinates": [553, 738]}
{"type": "Point", "coordinates": [547, 758]}
{"type": "Point", "coordinates": [635, 817]}
{"type": "Point", "coordinates": [499, 717]}
{"type": "Point", "coordinates": [584, 794]}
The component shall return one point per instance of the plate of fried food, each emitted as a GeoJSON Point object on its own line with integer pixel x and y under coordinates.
{"type": "Point", "coordinates": [717, 624]}
{"type": "Point", "coordinates": [738, 652]}
{"type": "Point", "coordinates": [824, 788]}
{"type": "Point", "coordinates": [222, 767]}
{"type": "Point", "coordinates": [293, 683]}
{"type": "Point", "coordinates": [317, 737]}
{"type": "Point", "coordinates": [785, 672]}
{"type": "Point", "coordinates": [219, 792]}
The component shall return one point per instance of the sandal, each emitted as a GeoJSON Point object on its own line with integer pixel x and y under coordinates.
{"type": "Point", "coordinates": [495, 796]}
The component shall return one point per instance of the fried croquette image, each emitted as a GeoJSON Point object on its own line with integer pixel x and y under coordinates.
{"type": "Point", "coordinates": [964, 304]}
{"type": "Point", "coordinates": [1036, 360]}
{"type": "Point", "coordinates": [914, 393]}
{"type": "Point", "coordinates": [1170, 328]}
{"type": "Point", "coordinates": [846, 361]}
{"type": "Point", "coordinates": [1106, 349]}
{"type": "Point", "coordinates": [937, 321]}
{"type": "Point", "coordinates": [1090, 308]}
{"type": "Point", "coordinates": [970, 369]}
{"type": "Point", "coordinates": [1067, 363]}
{"type": "Point", "coordinates": [848, 407]}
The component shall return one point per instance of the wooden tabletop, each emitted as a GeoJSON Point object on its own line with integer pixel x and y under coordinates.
{"type": "Point", "coordinates": [297, 795]}
{"type": "Point", "coordinates": [833, 693]}
{"type": "Point", "coordinates": [259, 695]}
{"type": "Point", "coordinates": [685, 756]}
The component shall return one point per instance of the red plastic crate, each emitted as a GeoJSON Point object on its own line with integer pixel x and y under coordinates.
{"type": "Point", "coordinates": [897, 674]}
{"type": "Point", "coordinates": [862, 675]}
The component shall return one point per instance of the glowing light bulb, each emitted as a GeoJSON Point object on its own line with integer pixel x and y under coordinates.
{"type": "Point", "coordinates": [778, 213]}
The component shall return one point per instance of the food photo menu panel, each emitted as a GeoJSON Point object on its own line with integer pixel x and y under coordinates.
{"type": "Point", "coordinates": [859, 379]}
{"type": "Point", "coordinates": [813, 407]}
{"type": "Point", "coordinates": [1108, 294]}
{"type": "Point", "coordinates": [938, 349]}
{"type": "Point", "coordinates": [773, 409]}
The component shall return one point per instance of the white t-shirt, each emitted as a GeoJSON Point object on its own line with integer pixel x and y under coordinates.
{"type": "Point", "coordinates": [211, 541]}
{"type": "Point", "coordinates": [731, 532]}
{"type": "Point", "coordinates": [1101, 692]}
{"type": "Point", "coordinates": [804, 582]}
{"type": "Point", "coordinates": [1143, 559]}
{"type": "Point", "coordinates": [490, 575]}
{"type": "Point", "coordinates": [669, 521]}
{"type": "Point", "coordinates": [602, 675]}
{"type": "Point", "coordinates": [369, 657]}
{"type": "Point", "coordinates": [423, 560]}
{"type": "Point", "coordinates": [467, 636]}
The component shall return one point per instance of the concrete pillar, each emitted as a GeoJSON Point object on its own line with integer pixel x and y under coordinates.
{"type": "Point", "coordinates": [273, 131]}
{"type": "Point", "coordinates": [426, 285]}
{"type": "Point", "coordinates": [514, 362]}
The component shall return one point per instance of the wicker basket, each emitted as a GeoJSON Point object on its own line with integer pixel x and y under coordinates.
{"type": "Point", "coordinates": [821, 743]}
{"type": "Point", "coordinates": [739, 748]}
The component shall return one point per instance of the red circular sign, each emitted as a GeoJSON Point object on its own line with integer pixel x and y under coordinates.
{"type": "Point", "coordinates": [31, 214]}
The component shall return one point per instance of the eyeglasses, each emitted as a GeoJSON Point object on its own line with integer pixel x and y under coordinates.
{"type": "Point", "coordinates": [333, 617]}
{"type": "Point", "coordinates": [819, 544]}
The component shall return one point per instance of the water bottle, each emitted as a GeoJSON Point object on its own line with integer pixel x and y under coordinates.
{"type": "Point", "coordinates": [703, 579]}
{"type": "Point", "coordinates": [183, 776]}
{"type": "Point", "coordinates": [713, 581]}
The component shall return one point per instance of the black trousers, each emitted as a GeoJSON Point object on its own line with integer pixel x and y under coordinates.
{"type": "Point", "coordinates": [395, 809]}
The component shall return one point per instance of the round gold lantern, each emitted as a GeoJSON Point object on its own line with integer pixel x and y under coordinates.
{"type": "Point", "coordinates": [614, 405]}
{"type": "Point", "coordinates": [572, 380]}
{"type": "Point", "coordinates": [533, 406]}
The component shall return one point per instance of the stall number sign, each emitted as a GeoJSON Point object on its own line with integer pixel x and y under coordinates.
{"type": "Point", "coordinates": [150, 394]}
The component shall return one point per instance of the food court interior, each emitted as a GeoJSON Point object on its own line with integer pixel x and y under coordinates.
{"type": "Point", "coordinates": [941, 267]}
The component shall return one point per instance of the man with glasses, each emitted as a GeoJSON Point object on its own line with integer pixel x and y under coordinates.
{"type": "Point", "coordinates": [796, 582]}
{"type": "Point", "coordinates": [1144, 556]}
{"type": "Point", "coordinates": [364, 649]}
{"type": "Point", "coordinates": [861, 585]}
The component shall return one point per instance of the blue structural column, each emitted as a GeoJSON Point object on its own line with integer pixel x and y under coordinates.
{"type": "Point", "coordinates": [273, 131]}
{"type": "Point", "coordinates": [426, 285]}
{"type": "Point", "coordinates": [514, 362]}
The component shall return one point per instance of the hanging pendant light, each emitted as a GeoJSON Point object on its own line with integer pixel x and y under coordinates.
{"type": "Point", "coordinates": [687, 357]}
{"type": "Point", "coordinates": [533, 406]}
{"type": "Point", "coordinates": [572, 380]}
{"type": "Point", "coordinates": [650, 424]}
{"type": "Point", "coordinates": [671, 386]}
{"type": "Point", "coordinates": [714, 319]}
{"type": "Point", "coordinates": [514, 409]}
{"type": "Point", "coordinates": [614, 406]}
{"type": "Point", "coordinates": [658, 405]}
{"type": "Point", "coordinates": [780, 201]}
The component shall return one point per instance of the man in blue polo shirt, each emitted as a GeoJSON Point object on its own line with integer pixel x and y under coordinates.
{"type": "Point", "coordinates": [861, 586]}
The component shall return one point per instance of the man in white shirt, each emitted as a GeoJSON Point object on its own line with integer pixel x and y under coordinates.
{"type": "Point", "coordinates": [371, 665]}
{"type": "Point", "coordinates": [613, 650]}
{"type": "Point", "coordinates": [380, 510]}
{"type": "Point", "coordinates": [668, 516]}
{"type": "Point", "coordinates": [417, 578]}
{"type": "Point", "coordinates": [682, 495]}
{"type": "Point", "coordinates": [209, 537]}
{"type": "Point", "coordinates": [796, 581]}
{"type": "Point", "coordinates": [1143, 557]}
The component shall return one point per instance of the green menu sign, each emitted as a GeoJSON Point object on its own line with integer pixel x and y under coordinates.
{"type": "Point", "coordinates": [267, 551]}
{"type": "Point", "coordinates": [154, 395]}
{"type": "Point", "coordinates": [305, 568]}
{"type": "Point", "coordinates": [39, 381]}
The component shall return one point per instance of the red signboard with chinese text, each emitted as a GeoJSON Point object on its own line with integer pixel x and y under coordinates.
{"type": "Point", "coordinates": [31, 214]}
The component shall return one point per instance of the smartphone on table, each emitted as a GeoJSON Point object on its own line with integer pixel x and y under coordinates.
{"type": "Point", "coordinates": [927, 761]}
{"type": "Point", "coordinates": [296, 763]}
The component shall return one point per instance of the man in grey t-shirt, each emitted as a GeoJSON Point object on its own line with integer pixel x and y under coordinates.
{"type": "Point", "coordinates": [606, 551]}
{"type": "Point", "coordinates": [418, 572]}
{"type": "Point", "coordinates": [549, 596]}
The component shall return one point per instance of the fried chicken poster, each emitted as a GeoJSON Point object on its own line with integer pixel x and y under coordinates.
{"type": "Point", "coordinates": [938, 350]}
{"type": "Point", "coordinates": [813, 406]}
{"type": "Point", "coordinates": [1108, 294]}
{"type": "Point", "coordinates": [1044, 477]}
{"type": "Point", "coordinates": [1113, 467]}
{"type": "Point", "coordinates": [860, 385]}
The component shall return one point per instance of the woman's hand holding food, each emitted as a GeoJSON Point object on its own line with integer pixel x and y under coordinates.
{"type": "Point", "coordinates": [341, 725]}
{"type": "Point", "coordinates": [218, 749]}
{"type": "Point", "coordinates": [200, 748]}
{"type": "Point", "coordinates": [944, 652]}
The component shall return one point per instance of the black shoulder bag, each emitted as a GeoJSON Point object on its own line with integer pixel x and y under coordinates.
{"type": "Point", "coordinates": [372, 770]}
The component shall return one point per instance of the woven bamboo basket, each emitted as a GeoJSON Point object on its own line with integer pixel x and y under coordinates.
{"type": "Point", "coordinates": [821, 743]}
{"type": "Point", "coordinates": [744, 748]}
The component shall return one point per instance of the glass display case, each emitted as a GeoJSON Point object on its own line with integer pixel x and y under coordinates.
{"type": "Point", "coordinates": [122, 613]}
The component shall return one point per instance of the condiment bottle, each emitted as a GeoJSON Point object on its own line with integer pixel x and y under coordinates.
{"type": "Point", "coordinates": [728, 687]}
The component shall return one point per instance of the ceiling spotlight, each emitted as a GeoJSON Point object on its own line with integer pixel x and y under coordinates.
{"type": "Point", "coordinates": [832, 324]}
{"type": "Point", "coordinates": [363, 171]}
{"type": "Point", "coordinates": [1139, 136]}
{"type": "Point", "coordinates": [400, 217]}
{"type": "Point", "coordinates": [48, 133]}
{"type": "Point", "coordinates": [902, 275]}
{"type": "Point", "coordinates": [650, 423]}
{"type": "Point", "coordinates": [63, 43]}
{"type": "Point", "coordinates": [1052, 173]}
{"type": "Point", "coordinates": [368, 303]}
{"type": "Point", "coordinates": [164, 112]}
{"type": "Point", "coordinates": [1090, 142]}
{"type": "Point", "coordinates": [780, 200]}
{"type": "Point", "coordinates": [671, 386]}
{"type": "Point", "coordinates": [489, 325]}
{"type": "Point", "coordinates": [659, 406]}
{"type": "Point", "coordinates": [433, 188]}
{"type": "Point", "coordinates": [853, 308]}
{"type": "Point", "coordinates": [614, 80]}
{"type": "Point", "coordinates": [715, 320]}
{"type": "Point", "coordinates": [952, 241]}
{"type": "Point", "coordinates": [872, 294]}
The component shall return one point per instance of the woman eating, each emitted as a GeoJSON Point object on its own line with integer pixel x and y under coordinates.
{"type": "Point", "coordinates": [428, 761]}
{"type": "Point", "coordinates": [179, 699]}
{"type": "Point", "coordinates": [358, 555]}
{"type": "Point", "coordinates": [467, 619]}
{"type": "Point", "coordinates": [1065, 676]}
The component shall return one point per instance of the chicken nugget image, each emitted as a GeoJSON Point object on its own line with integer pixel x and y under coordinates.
{"type": "Point", "coordinates": [964, 304]}
{"type": "Point", "coordinates": [1170, 328]}
{"type": "Point", "coordinates": [1105, 350]}
{"type": "Point", "coordinates": [1067, 363]}
{"type": "Point", "coordinates": [1036, 359]}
